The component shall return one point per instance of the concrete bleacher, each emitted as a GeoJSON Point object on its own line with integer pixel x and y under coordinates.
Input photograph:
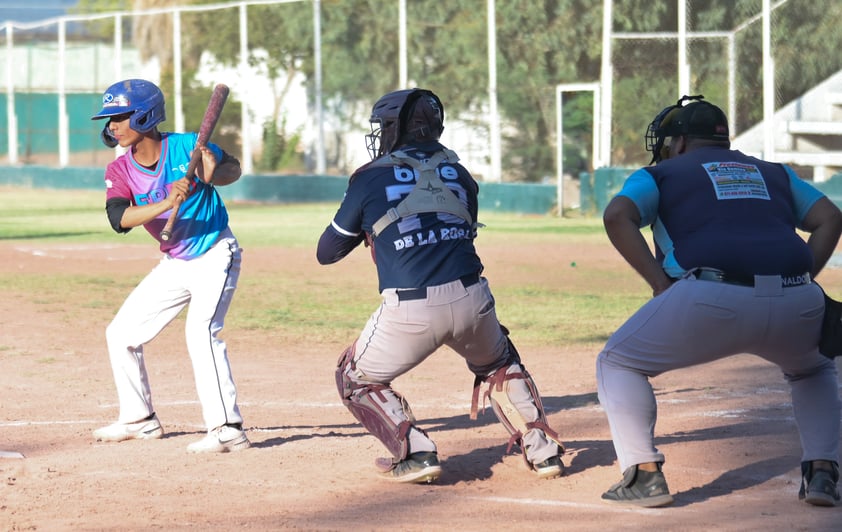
{"type": "Point", "coordinates": [807, 132]}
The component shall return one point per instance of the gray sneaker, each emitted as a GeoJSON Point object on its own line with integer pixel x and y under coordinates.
{"type": "Point", "coordinates": [640, 488]}
{"type": "Point", "coordinates": [418, 468]}
{"type": "Point", "coordinates": [222, 439]}
{"type": "Point", "coordinates": [145, 429]}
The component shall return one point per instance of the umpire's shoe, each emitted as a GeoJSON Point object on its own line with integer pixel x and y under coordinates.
{"type": "Point", "coordinates": [641, 488]}
{"type": "Point", "coordinates": [818, 483]}
{"type": "Point", "coordinates": [418, 468]}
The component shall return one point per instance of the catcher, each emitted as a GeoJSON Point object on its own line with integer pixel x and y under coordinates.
{"type": "Point", "coordinates": [417, 207]}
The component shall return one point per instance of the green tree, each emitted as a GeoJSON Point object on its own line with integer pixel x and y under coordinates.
{"type": "Point", "coordinates": [540, 44]}
{"type": "Point", "coordinates": [152, 35]}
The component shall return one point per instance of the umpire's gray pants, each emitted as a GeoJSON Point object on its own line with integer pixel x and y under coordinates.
{"type": "Point", "coordinates": [696, 321]}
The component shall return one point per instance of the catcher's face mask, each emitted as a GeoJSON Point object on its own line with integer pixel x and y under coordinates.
{"type": "Point", "coordinates": [656, 132]}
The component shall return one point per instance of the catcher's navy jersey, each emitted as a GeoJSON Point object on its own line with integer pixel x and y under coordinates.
{"type": "Point", "coordinates": [689, 202]}
{"type": "Point", "coordinates": [416, 251]}
{"type": "Point", "coordinates": [202, 216]}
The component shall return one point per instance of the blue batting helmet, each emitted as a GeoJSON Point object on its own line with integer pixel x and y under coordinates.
{"type": "Point", "coordinates": [143, 99]}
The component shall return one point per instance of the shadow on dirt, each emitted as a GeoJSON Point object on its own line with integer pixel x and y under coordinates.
{"type": "Point", "coordinates": [737, 479]}
{"type": "Point", "coordinates": [580, 455]}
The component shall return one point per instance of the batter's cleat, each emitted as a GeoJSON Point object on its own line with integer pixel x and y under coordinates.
{"type": "Point", "coordinates": [818, 483]}
{"type": "Point", "coordinates": [222, 439]}
{"type": "Point", "coordinates": [640, 488]}
{"type": "Point", "coordinates": [145, 429]}
{"type": "Point", "coordinates": [549, 468]}
{"type": "Point", "coordinates": [418, 468]}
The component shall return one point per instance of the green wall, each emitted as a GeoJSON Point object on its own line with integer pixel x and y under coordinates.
{"type": "Point", "coordinates": [596, 189]}
{"type": "Point", "coordinates": [37, 115]}
{"type": "Point", "coordinates": [525, 198]}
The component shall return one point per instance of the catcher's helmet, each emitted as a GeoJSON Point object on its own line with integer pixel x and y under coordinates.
{"type": "Point", "coordinates": [691, 116]}
{"type": "Point", "coordinates": [143, 99]}
{"type": "Point", "coordinates": [399, 117]}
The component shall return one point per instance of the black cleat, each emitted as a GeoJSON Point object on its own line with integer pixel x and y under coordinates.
{"type": "Point", "coordinates": [417, 468]}
{"type": "Point", "coordinates": [549, 468]}
{"type": "Point", "coordinates": [818, 486]}
{"type": "Point", "coordinates": [641, 488]}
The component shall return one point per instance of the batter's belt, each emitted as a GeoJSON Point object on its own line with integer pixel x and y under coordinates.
{"type": "Point", "coordinates": [712, 274]}
{"type": "Point", "coordinates": [421, 293]}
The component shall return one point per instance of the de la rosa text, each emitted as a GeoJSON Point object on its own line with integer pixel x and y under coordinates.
{"type": "Point", "coordinates": [422, 238]}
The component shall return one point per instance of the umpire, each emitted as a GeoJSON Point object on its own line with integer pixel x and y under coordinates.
{"type": "Point", "coordinates": [416, 206]}
{"type": "Point", "coordinates": [729, 275]}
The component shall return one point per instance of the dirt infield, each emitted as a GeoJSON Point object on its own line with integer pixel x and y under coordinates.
{"type": "Point", "coordinates": [726, 428]}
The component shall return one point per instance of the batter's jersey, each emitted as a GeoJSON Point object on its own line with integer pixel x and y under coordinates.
{"type": "Point", "coordinates": [202, 216]}
{"type": "Point", "coordinates": [719, 208]}
{"type": "Point", "coordinates": [416, 251]}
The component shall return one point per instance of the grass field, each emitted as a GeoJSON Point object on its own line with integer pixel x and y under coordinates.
{"type": "Point", "coordinates": [298, 303]}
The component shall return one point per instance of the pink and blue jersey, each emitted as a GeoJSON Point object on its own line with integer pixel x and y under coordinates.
{"type": "Point", "coordinates": [202, 216]}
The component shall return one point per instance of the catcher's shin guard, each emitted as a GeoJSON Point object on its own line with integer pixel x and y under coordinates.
{"type": "Point", "coordinates": [371, 405]}
{"type": "Point", "coordinates": [501, 384]}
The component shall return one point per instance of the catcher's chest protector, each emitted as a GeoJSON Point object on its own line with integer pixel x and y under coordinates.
{"type": "Point", "coordinates": [430, 193]}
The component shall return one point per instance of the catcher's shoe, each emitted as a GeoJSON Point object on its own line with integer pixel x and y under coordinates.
{"type": "Point", "coordinates": [818, 484]}
{"type": "Point", "coordinates": [145, 429]}
{"type": "Point", "coordinates": [418, 468]}
{"type": "Point", "coordinates": [641, 488]}
{"type": "Point", "coordinates": [549, 468]}
{"type": "Point", "coordinates": [222, 439]}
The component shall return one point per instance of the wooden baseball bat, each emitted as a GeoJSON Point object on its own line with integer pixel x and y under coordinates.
{"type": "Point", "coordinates": [215, 105]}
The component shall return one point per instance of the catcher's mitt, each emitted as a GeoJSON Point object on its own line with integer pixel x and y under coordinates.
{"type": "Point", "coordinates": [369, 243]}
{"type": "Point", "coordinates": [830, 342]}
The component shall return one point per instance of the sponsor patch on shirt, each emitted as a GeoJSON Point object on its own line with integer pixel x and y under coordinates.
{"type": "Point", "coordinates": [736, 181]}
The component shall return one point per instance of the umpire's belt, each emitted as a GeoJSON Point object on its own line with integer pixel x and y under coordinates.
{"type": "Point", "coordinates": [712, 274]}
{"type": "Point", "coordinates": [421, 293]}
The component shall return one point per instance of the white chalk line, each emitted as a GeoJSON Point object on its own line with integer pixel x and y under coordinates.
{"type": "Point", "coordinates": [30, 423]}
{"type": "Point", "coordinates": [600, 508]}
{"type": "Point", "coordinates": [62, 251]}
{"type": "Point", "coordinates": [729, 414]}
{"type": "Point", "coordinates": [11, 454]}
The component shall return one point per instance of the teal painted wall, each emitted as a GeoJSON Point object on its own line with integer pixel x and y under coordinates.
{"type": "Point", "coordinates": [37, 115]}
{"type": "Point", "coordinates": [524, 198]}
{"type": "Point", "coordinates": [833, 188]}
{"type": "Point", "coordinates": [596, 189]}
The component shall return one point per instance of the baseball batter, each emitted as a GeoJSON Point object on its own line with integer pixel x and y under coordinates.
{"type": "Point", "coordinates": [200, 264]}
{"type": "Point", "coordinates": [417, 206]}
{"type": "Point", "coordinates": [729, 275]}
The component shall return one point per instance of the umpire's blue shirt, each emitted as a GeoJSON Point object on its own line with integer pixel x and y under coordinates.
{"type": "Point", "coordinates": [689, 201]}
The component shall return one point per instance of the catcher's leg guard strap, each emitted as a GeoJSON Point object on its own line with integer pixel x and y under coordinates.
{"type": "Point", "coordinates": [507, 381]}
{"type": "Point", "coordinates": [372, 404]}
{"type": "Point", "coordinates": [516, 421]}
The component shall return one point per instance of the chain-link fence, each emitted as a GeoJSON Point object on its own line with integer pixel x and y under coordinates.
{"type": "Point", "coordinates": [768, 64]}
